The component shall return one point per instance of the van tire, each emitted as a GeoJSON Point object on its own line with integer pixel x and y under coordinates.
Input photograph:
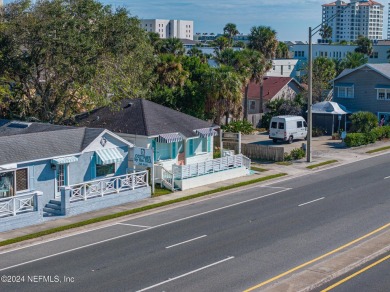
{"type": "Point", "coordinates": [275, 140]}
{"type": "Point", "coordinates": [290, 139]}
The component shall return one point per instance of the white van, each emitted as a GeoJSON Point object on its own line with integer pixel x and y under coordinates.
{"type": "Point", "coordinates": [287, 128]}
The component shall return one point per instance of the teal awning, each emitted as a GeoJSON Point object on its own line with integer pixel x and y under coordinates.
{"type": "Point", "coordinates": [64, 160]}
{"type": "Point", "coordinates": [343, 84]}
{"type": "Point", "coordinates": [108, 156]}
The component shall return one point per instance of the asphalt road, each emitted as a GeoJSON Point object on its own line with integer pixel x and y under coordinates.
{"type": "Point", "coordinates": [228, 243]}
{"type": "Point", "coordinates": [373, 276]}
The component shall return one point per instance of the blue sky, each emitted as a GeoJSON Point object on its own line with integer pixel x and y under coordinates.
{"type": "Point", "coordinates": [290, 18]}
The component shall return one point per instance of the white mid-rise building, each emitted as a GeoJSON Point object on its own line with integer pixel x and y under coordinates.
{"type": "Point", "coordinates": [349, 20]}
{"type": "Point", "coordinates": [181, 29]}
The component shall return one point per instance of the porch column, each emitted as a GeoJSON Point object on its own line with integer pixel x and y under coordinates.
{"type": "Point", "coordinates": [65, 199]}
{"type": "Point", "coordinates": [185, 150]}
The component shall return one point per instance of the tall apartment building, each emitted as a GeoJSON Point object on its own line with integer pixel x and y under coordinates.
{"type": "Point", "coordinates": [182, 29]}
{"type": "Point", "coordinates": [359, 17]}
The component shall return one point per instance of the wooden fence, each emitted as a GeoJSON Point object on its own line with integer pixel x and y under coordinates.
{"type": "Point", "coordinates": [254, 151]}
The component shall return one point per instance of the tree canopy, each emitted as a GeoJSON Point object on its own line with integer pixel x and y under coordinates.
{"type": "Point", "coordinates": [65, 56]}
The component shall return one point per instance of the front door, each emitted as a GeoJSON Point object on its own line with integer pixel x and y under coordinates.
{"type": "Point", "coordinates": [181, 156]}
{"type": "Point", "coordinates": [61, 179]}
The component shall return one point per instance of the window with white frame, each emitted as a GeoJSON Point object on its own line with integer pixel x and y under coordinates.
{"type": "Point", "coordinates": [383, 93]}
{"type": "Point", "coordinates": [345, 91]}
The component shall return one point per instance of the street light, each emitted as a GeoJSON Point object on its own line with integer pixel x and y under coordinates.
{"type": "Point", "coordinates": [312, 32]}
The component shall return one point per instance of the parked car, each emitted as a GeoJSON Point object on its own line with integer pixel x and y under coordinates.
{"type": "Point", "coordinates": [287, 128]}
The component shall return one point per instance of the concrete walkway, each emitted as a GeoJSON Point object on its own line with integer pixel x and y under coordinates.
{"type": "Point", "coordinates": [323, 149]}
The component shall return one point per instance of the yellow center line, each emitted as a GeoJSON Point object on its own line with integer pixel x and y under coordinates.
{"type": "Point", "coordinates": [355, 274]}
{"type": "Point", "coordinates": [317, 259]}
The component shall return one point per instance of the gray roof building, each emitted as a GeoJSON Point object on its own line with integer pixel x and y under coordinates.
{"type": "Point", "coordinates": [142, 117]}
{"type": "Point", "coordinates": [21, 141]}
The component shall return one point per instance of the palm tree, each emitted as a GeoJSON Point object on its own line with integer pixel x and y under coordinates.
{"type": "Point", "coordinates": [231, 31]}
{"type": "Point", "coordinates": [282, 51]}
{"type": "Point", "coordinates": [170, 71]}
{"type": "Point", "coordinates": [364, 46]}
{"type": "Point", "coordinates": [173, 46]}
{"type": "Point", "coordinates": [263, 39]}
{"type": "Point", "coordinates": [220, 43]}
{"type": "Point", "coordinates": [326, 32]}
{"type": "Point", "coordinates": [252, 66]}
{"type": "Point", "coordinates": [353, 60]}
{"type": "Point", "coordinates": [222, 87]}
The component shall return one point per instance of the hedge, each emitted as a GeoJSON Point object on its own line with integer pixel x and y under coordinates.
{"type": "Point", "coordinates": [358, 139]}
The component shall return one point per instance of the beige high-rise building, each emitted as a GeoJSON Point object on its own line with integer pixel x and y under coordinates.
{"type": "Point", "coordinates": [182, 29]}
{"type": "Point", "coordinates": [359, 17]}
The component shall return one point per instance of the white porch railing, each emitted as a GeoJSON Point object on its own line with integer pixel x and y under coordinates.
{"type": "Point", "coordinates": [106, 186]}
{"type": "Point", "coordinates": [168, 179]}
{"type": "Point", "coordinates": [11, 206]}
{"type": "Point", "coordinates": [220, 164]}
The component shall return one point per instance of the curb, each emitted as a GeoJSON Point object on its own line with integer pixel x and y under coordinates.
{"type": "Point", "coordinates": [328, 269]}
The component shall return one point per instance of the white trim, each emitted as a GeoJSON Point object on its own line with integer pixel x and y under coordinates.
{"type": "Point", "coordinates": [87, 149]}
{"type": "Point", "coordinates": [386, 91]}
{"type": "Point", "coordinates": [57, 194]}
{"type": "Point", "coordinates": [105, 176]}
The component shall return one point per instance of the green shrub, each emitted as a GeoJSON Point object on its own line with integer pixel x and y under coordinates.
{"type": "Point", "coordinates": [297, 153]}
{"type": "Point", "coordinates": [379, 132]}
{"type": "Point", "coordinates": [363, 122]}
{"type": "Point", "coordinates": [239, 126]}
{"type": "Point", "coordinates": [355, 139]}
{"type": "Point", "coordinates": [386, 131]}
{"type": "Point", "coordinates": [371, 137]}
{"type": "Point", "coordinates": [287, 156]}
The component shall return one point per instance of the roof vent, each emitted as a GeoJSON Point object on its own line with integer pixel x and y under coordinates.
{"type": "Point", "coordinates": [20, 125]}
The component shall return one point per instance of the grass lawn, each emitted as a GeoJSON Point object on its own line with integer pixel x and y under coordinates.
{"type": "Point", "coordinates": [379, 149]}
{"type": "Point", "coordinates": [321, 164]}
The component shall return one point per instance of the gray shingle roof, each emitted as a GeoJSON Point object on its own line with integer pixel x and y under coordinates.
{"type": "Point", "coordinates": [30, 144]}
{"type": "Point", "coordinates": [142, 117]}
{"type": "Point", "coordinates": [9, 128]}
{"type": "Point", "coordinates": [383, 68]}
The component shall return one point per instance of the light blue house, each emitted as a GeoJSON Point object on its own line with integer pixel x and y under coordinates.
{"type": "Point", "coordinates": [182, 144]}
{"type": "Point", "coordinates": [48, 171]}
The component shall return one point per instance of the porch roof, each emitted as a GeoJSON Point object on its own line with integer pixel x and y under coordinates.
{"type": "Point", "coordinates": [108, 156]}
{"type": "Point", "coordinates": [64, 160]}
{"type": "Point", "coordinates": [206, 132]}
{"type": "Point", "coordinates": [169, 138]}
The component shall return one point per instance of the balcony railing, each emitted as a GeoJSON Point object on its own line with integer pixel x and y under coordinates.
{"type": "Point", "coordinates": [211, 166]}
{"type": "Point", "coordinates": [12, 206]}
{"type": "Point", "coordinates": [106, 186]}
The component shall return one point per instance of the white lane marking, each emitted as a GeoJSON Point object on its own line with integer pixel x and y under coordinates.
{"type": "Point", "coordinates": [387, 177]}
{"type": "Point", "coordinates": [186, 274]}
{"type": "Point", "coordinates": [183, 242]}
{"type": "Point", "coordinates": [115, 223]}
{"type": "Point", "coordinates": [142, 230]}
{"type": "Point", "coordinates": [311, 202]}
{"type": "Point", "coordinates": [142, 226]}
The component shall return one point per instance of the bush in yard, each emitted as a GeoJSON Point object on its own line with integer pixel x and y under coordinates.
{"type": "Point", "coordinates": [379, 133]}
{"type": "Point", "coordinates": [297, 153]}
{"type": "Point", "coordinates": [363, 122]}
{"type": "Point", "coordinates": [371, 137]}
{"type": "Point", "coordinates": [386, 131]}
{"type": "Point", "coordinates": [355, 139]}
{"type": "Point", "coordinates": [239, 126]}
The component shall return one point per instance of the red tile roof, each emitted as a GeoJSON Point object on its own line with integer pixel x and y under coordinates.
{"type": "Point", "coordinates": [271, 86]}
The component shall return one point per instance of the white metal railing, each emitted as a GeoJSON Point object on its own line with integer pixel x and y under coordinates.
{"type": "Point", "coordinates": [102, 187]}
{"type": "Point", "coordinates": [11, 206]}
{"type": "Point", "coordinates": [210, 166]}
{"type": "Point", "coordinates": [167, 179]}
